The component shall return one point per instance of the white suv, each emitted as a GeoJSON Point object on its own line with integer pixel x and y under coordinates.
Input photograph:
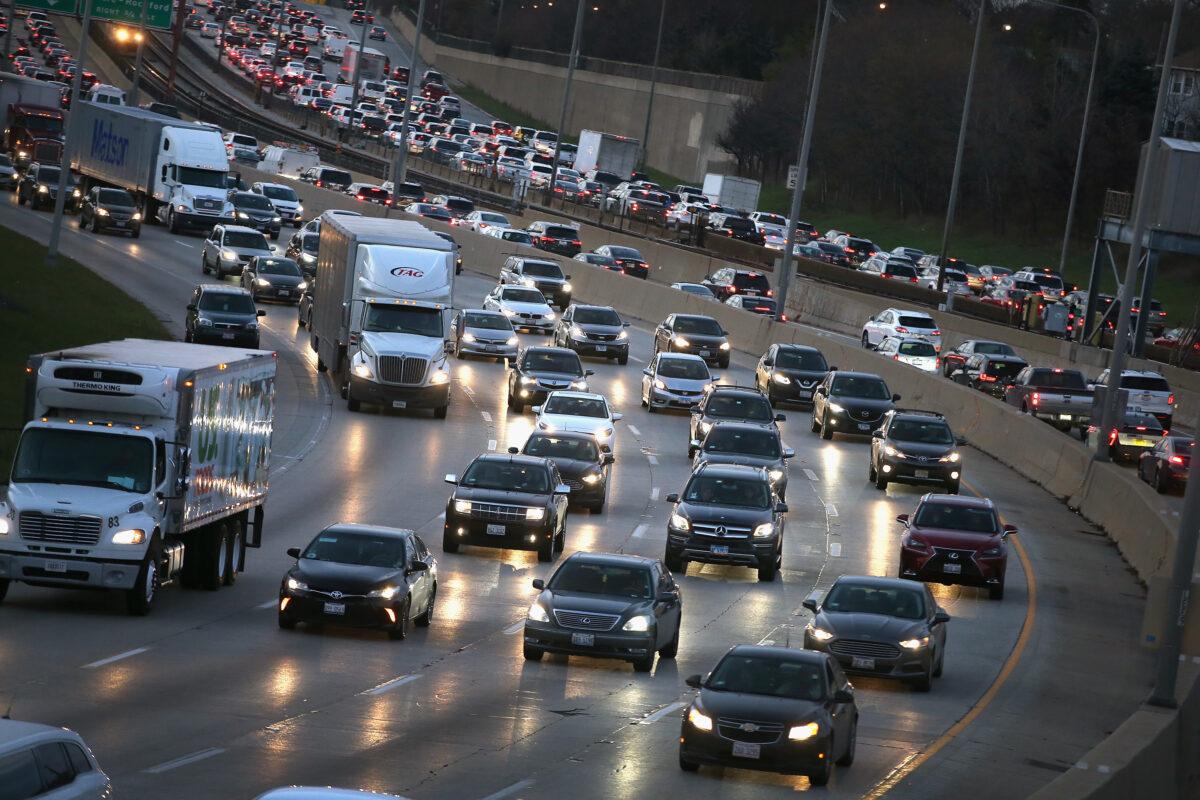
{"type": "Point", "coordinates": [901, 323]}
{"type": "Point", "coordinates": [1149, 393]}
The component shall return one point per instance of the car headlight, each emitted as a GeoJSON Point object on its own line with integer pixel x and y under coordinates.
{"type": "Point", "coordinates": [699, 720]}
{"type": "Point", "coordinates": [528, 379]}
{"type": "Point", "coordinates": [101, 212]}
{"type": "Point", "coordinates": [658, 384]}
{"type": "Point", "coordinates": [591, 479]}
{"type": "Point", "coordinates": [512, 341]}
{"type": "Point", "coordinates": [891, 451]}
{"type": "Point", "coordinates": [764, 530]}
{"type": "Point", "coordinates": [775, 475]}
{"type": "Point", "coordinates": [820, 634]}
{"type": "Point", "coordinates": [551, 316]}
{"type": "Point", "coordinates": [508, 312]}
{"type": "Point", "coordinates": [566, 287]}
{"type": "Point", "coordinates": [22, 154]}
{"type": "Point", "coordinates": [261, 282]}
{"type": "Point", "coordinates": [276, 219]}
{"type": "Point", "coordinates": [462, 506]}
{"type": "Point", "coordinates": [915, 644]}
{"type": "Point", "coordinates": [680, 522]}
{"type": "Point", "coordinates": [307, 258]}
{"type": "Point", "coordinates": [535, 514]}
{"type": "Point", "coordinates": [181, 208]}
{"type": "Point", "coordinates": [800, 733]}
{"type": "Point", "coordinates": [780, 378]}
{"type": "Point", "coordinates": [537, 613]}
{"type": "Point", "coordinates": [137, 216]}
{"type": "Point", "coordinates": [129, 536]}
{"type": "Point", "coordinates": [577, 332]}
{"type": "Point", "coordinates": [296, 586]}
{"type": "Point", "coordinates": [724, 345]}
{"type": "Point", "coordinates": [299, 210]}
{"type": "Point", "coordinates": [384, 592]}
{"type": "Point", "coordinates": [622, 336]}
{"type": "Point", "coordinates": [639, 623]}
{"type": "Point", "coordinates": [681, 342]}
{"type": "Point", "coordinates": [43, 189]}
{"type": "Point", "coordinates": [204, 322]}
{"type": "Point", "coordinates": [301, 286]}
{"type": "Point", "coordinates": [75, 193]}
{"type": "Point", "coordinates": [4, 527]}
{"type": "Point", "coordinates": [603, 432]}
{"type": "Point", "coordinates": [363, 370]}
{"type": "Point", "coordinates": [950, 458]}
{"type": "Point", "coordinates": [229, 255]}
{"type": "Point", "coordinates": [243, 215]}
{"type": "Point", "coordinates": [579, 385]}
{"type": "Point", "coordinates": [835, 408]}
{"type": "Point", "coordinates": [439, 377]}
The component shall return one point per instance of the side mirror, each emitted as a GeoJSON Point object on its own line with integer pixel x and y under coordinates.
{"type": "Point", "coordinates": [417, 566]}
{"type": "Point", "coordinates": [960, 440]}
{"type": "Point", "coordinates": [448, 348]}
{"type": "Point", "coordinates": [895, 398]}
{"type": "Point", "coordinates": [780, 418]}
{"type": "Point", "coordinates": [293, 552]}
{"type": "Point", "coordinates": [536, 409]}
{"type": "Point", "coordinates": [693, 680]}
{"type": "Point", "coordinates": [1009, 530]}
{"type": "Point", "coordinates": [191, 307]}
{"type": "Point", "coordinates": [562, 488]}
{"type": "Point", "coordinates": [646, 371]}
{"type": "Point", "coordinates": [876, 434]}
{"type": "Point", "coordinates": [833, 369]}
{"type": "Point", "coordinates": [821, 390]}
{"type": "Point", "coordinates": [617, 417]}
{"type": "Point", "coordinates": [789, 452]}
{"type": "Point", "coordinates": [451, 478]}
{"type": "Point", "coordinates": [781, 507]}
{"type": "Point", "coordinates": [694, 409]}
{"type": "Point", "coordinates": [673, 497]}
{"type": "Point", "coordinates": [514, 450]}
{"type": "Point", "coordinates": [260, 313]}
{"type": "Point", "coordinates": [940, 617]}
{"type": "Point", "coordinates": [539, 584]}
{"type": "Point", "coordinates": [902, 519]}
{"type": "Point", "coordinates": [607, 458]}
{"type": "Point", "coordinates": [843, 696]}
{"type": "Point", "coordinates": [811, 603]}
{"type": "Point", "coordinates": [694, 442]}
{"type": "Point", "coordinates": [624, 324]}
{"type": "Point", "coordinates": [587, 373]}
{"type": "Point", "coordinates": [568, 277]}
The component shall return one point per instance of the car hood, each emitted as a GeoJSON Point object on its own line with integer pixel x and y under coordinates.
{"type": "Point", "coordinates": [489, 334]}
{"type": "Point", "coordinates": [281, 280]}
{"type": "Point", "coordinates": [923, 452]}
{"type": "Point", "coordinates": [561, 422]}
{"type": "Point", "coordinates": [500, 496]}
{"type": "Point", "coordinates": [526, 308]}
{"type": "Point", "coordinates": [583, 601]}
{"type": "Point", "coordinates": [732, 515]}
{"type": "Point", "coordinates": [684, 384]}
{"type": "Point", "coordinates": [702, 339]}
{"type": "Point", "coordinates": [958, 540]}
{"type": "Point", "coordinates": [409, 344]}
{"type": "Point", "coordinates": [575, 468]}
{"type": "Point", "coordinates": [874, 627]}
{"type": "Point", "coordinates": [557, 379]}
{"type": "Point", "coordinates": [248, 252]}
{"type": "Point", "coordinates": [600, 330]}
{"type": "Point", "coordinates": [805, 377]}
{"type": "Point", "coordinates": [875, 407]}
{"type": "Point", "coordinates": [74, 499]}
{"type": "Point", "coordinates": [227, 318]}
{"type": "Point", "coordinates": [346, 578]}
{"type": "Point", "coordinates": [757, 707]}
{"type": "Point", "coordinates": [288, 205]}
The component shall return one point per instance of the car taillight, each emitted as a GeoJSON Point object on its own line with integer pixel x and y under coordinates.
{"type": "Point", "coordinates": [1141, 427]}
{"type": "Point", "coordinates": [901, 329]}
{"type": "Point", "coordinates": [359, 196]}
{"type": "Point", "coordinates": [1171, 400]}
{"type": "Point", "coordinates": [935, 332]}
{"type": "Point", "coordinates": [895, 358]}
{"type": "Point", "coordinates": [546, 238]}
{"type": "Point", "coordinates": [987, 378]}
{"type": "Point", "coordinates": [318, 183]}
{"type": "Point", "coordinates": [1176, 459]}
{"type": "Point", "coordinates": [1112, 437]}
{"type": "Point", "coordinates": [577, 243]}
{"type": "Point", "coordinates": [1036, 399]}
{"type": "Point", "coordinates": [912, 280]}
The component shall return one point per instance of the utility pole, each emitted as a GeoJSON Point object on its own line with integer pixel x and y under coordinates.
{"type": "Point", "coordinates": [176, 41]}
{"type": "Point", "coordinates": [562, 118]}
{"type": "Point", "coordinates": [12, 20]}
{"type": "Point", "coordinates": [499, 17]}
{"type": "Point", "coordinates": [72, 133]}
{"type": "Point", "coordinates": [662, 18]}
{"type": "Point", "coordinates": [137, 67]}
{"type": "Point", "coordinates": [400, 170]}
{"type": "Point", "coordinates": [362, 45]}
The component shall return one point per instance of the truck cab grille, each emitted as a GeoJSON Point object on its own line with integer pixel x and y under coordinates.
{"type": "Point", "coordinates": [402, 369]}
{"type": "Point", "coordinates": [39, 527]}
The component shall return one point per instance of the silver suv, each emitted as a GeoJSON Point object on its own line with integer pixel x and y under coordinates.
{"type": "Point", "coordinates": [230, 247]}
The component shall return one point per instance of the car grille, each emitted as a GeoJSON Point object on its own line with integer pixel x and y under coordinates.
{"type": "Point", "coordinates": [943, 556]}
{"type": "Point", "coordinates": [63, 530]}
{"type": "Point", "coordinates": [524, 315]}
{"type": "Point", "coordinates": [228, 326]}
{"type": "Point", "coordinates": [334, 594]}
{"type": "Point", "coordinates": [603, 337]}
{"type": "Point", "coordinates": [402, 369]}
{"type": "Point", "coordinates": [500, 512]}
{"type": "Point", "coordinates": [857, 647]}
{"type": "Point", "coordinates": [575, 485]}
{"type": "Point", "coordinates": [724, 532]}
{"type": "Point", "coordinates": [585, 621]}
{"type": "Point", "coordinates": [807, 384]}
{"type": "Point", "coordinates": [866, 415]}
{"type": "Point", "coordinates": [744, 730]}
{"type": "Point", "coordinates": [549, 288]}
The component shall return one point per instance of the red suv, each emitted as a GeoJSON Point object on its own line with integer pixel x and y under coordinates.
{"type": "Point", "coordinates": [953, 539]}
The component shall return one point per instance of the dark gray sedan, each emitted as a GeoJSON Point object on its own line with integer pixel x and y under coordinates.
{"type": "Point", "coordinates": [274, 278]}
{"type": "Point", "coordinates": [106, 209]}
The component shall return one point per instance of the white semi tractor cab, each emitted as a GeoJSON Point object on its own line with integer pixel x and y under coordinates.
{"type": "Point", "coordinates": [142, 462]}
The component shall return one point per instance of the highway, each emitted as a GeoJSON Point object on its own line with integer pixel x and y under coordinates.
{"type": "Point", "coordinates": [208, 698]}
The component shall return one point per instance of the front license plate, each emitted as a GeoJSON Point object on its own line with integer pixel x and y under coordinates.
{"type": "Point", "coordinates": [600, 348]}
{"type": "Point", "coordinates": [119, 224]}
{"type": "Point", "coordinates": [226, 335]}
{"type": "Point", "coordinates": [338, 609]}
{"type": "Point", "coordinates": [495, 530]}
{"type": "Point", "coordinates": [744, 750]}
{"type": "Point", "coordinates": [705, 353]}
{"type": "Point", "coordinates": [1064, 416]}
{"type": "Point", "coordinates": [284, 292]}
{"type": "Point", "coordinates": [720, 549]}
{"type": "Point", "coordinates": [952, 569]}
{"type": "Point", "coordinates": [399, 404]}
{"type": "Point", "coordinates": [805, 394]}
{"type": "Point", "coordinates": [921, 473]}
{"type": "Point", "coordinates": [862, 426]}
{"type": "Point", "coordinates": [583, 639]}
{"type": "Point", "coordinates": [56, 566]}
{"type": "Point", "coordinates": [862, 663]}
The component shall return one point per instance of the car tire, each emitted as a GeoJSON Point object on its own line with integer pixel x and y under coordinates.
{"type": "Point", "coordinates": [532, 653]}
{"type": "Point", "coordinates": [172, 222]}
{"type": "Point", "coordinates": [871, 471]}
{"type": "Point", "coordinates": [440, 412]}
{"type": "Point", "coordinates": [286, 621]}
{"type": "Point", "coordinates": [847, 758]}
{"type": "Point", "coordinates": [95, 224]}
{"type": "Point", "coordinates": [516, 404]}
{"type": "Point", "coordinates": [823, 773]}
{"type": "Point", "coordinates": [925, 682]}
{"type": "Point", "coordinates": [20, 199]}
{"type": "Point", "coordinates": [941, 663]}
{"type": "Point", "coordinates": [203, 264]}
{"type": "Point", "coordinates": [996, 592]}
{"type": "Point", "coordinates": [644, 664]}
{"type": "Point", "coordinates": [545, 551]}
{"type": "Point", "coordinates": [400, 631]}
{"type": "Point", "coordinates": [672, 647]}
{"type": "Point", "coordinates": [233, 552]}
{"type": "Point", "coordinates": [426, 617]}
{"type": "Point", "coordinates": [688, 765]}
{"type": "Point", "coordinates": [675, 562]}
{"type": "Point", "coordinates": [353, 404]}
{"type": "Point", "coordinates": [767, 570]}
{"type": "Point", "coordinates": [815, 426]}
{"type": "Point", "coordinates": [449, 543]}
{"type": "Point", "coordinates": [826, 428]}
{"type": "Point", "coordinates": [881, 480]}
{"type": "Point", "coordinates": [866, 341]}
{"type": "Point", "coordinates": [275, 236]}
{"type": "Point", "coordinates": [139, 599]}
{"type": "Point", "coordinates": [598, 506]}
{"type": "Point", "coordinates": [650, 409]}
{"type": "Point", "coordinates": [1161, 485]}
{"type": "Point", "coordinates": [136, 234]}
{"type": "Point", "coordinates": [724, 363]}
{"type": "Point", "coordinates": [623, 359]}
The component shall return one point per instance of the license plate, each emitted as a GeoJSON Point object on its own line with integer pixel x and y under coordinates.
{"type": "Point", "coordinates": [226, 335]}
{"type": "Point", "coordinates": [751, 293]}
{"type": "Point", "coordinates": [56, 566]}
{"type": "Point", "coordinates": [952, 569]}
{"type": "Point", "coordinates": [284, 292]}
{"type": "Point", "coordinates": [720, 549]}
{"type": "Point", "coordinates": [862, 663]}
{"type": "Point", "coordinates": [805, 393]}
{"type": "Point", "coordinates": [495, 530]}
{"type": "Point", "coordinates": [744, 750]}
{"type": "Point", "coordinates": [583, 639]}
{"type": "Point", "coordinates": [338, 609]}
{"type": "Point", "coordinates": [600, 348]}
{"type": "Point", "coordinates": [921, 473]}
{"type": "Point", "coordinates": [705, 353]}
{"type": "Point", "coordinates": [1141, 442]}
{"type": "Point", "coordinates": [399, 404]}
{"type": "Point", "coordinates": [1064, 416]}
{"type": "Point", "coordinates": [119, 224]}
{"type": "Point", "coordinates": [863, 426]}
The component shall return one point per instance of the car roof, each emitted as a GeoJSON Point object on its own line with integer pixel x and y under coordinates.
{"type": "Point", "coordinates": [908, 312]}
{"type": "Point", "coordinates": [732, 471]}
{"type": "Point", "coordinates": [917, 414]}
{"type": "Point", "coordinates": [590, 307]}
{"type": "Point", "coordinates": [356, 527]}
{"type": "Point", "coordinates": [679, 357]}
{"type": "Point", "coordinates": [240, 228]}
{"type": "Point", "coordinates": [14, 732]}
{"type": "Point", "coordinates": [966, 501]}
{"type": "Point", "coordinates": [1003, 357]}
{"type": "Point", "coordinates": [216, 288]}
{"type": "Point", "coordinates": [578, 395]}
{"type": "Point", "coordinates": [624, 559]}
{"type": "Point", "coordinates": [545, 348]}
{"type": "Point", "coordinates": [513, 458]}
{"type": "Point", "coordinates": [788, 653]}
{"type": "Point", "coordinates": [1141, 373]}
{"type": "Point", "coordinates": [879, 582]}
{"type": "Point", "coordinates": [848, 374]}
{"type": "Point", "coordinates": [725, 388]}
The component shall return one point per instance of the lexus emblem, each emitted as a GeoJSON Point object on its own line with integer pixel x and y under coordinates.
{"type": "Point", "coordinates": [722, 530]}
{"type": "Point", "coordinates": [749, 727]}
{"type": "Point", "coordinates": [335, 595]}
{"type": "Point", "coordinates": [954, 556]}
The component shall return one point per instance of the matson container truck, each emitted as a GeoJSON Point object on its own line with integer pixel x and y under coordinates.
{"type": "Point", "coordinates": [379, 313]}
{"type": "Point", "coordinates": [142, 462]}
{"type": "Point", "coordinates": [174, 169]}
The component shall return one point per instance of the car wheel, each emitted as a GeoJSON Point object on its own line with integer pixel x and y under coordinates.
{"type": "Point", "coordinates": [870, 471]}
{"type": "Point", "coordinates": [952, 488]}
{"type": "Point", "coordinates": [824, 772]}
{"type": "Point", "coordinates": [214, 554]}
{"type": "Point", "coordinates": [941, 662]}
{"type": "Point", "coordinates": [449, 543]}
{"type": "Point", "coordinates": [881, 480]}
{"type": "Point", "coordinates": [724, 363]}
{"type": "Point", "coordinates": [203, 264]}
{"type": "Point", "coordinates": [426, 616]}
{"type": "Point", "coordinates": [532, 653]}
{"type": "Point", "coordinates": [440, 412]}
{"type": "Point", "coordinates": [95, 224]}
{"type": "Point", "coordinates": [1161, 485]}
{"type": "Point", "coordinates": [814, 425]}
{"type": "Point", "coordinates": [598, 506]}
{"type": "Point", "coordinates": [996, 592]}
{"type": "Point", "coordinates": [623, 359]}
{"type": "Point", "coordinates": [925, 682]}
{"type": "Point", "coordinates": [516, 404]}
{"type": "Point", "coordinates": [546, 550]}
{"type": "Point", "coordinates": [286, 622]}
{"type": "Point", "coordinates": [675, 561]}
{"type": "Point", "coordinates": [139, 599]}
{"type": "Point", "coordinates": [400, 631]}
{"type": "Point", "coordinates": [687, 765]}
{"type": "Point", "coordinates": [233, 553]}
{"type": "Point", "coordinates": [20, 199]}
{"type": "Point", "coordinates": [848, 757]}
{"type": "Point", "coordinates": [650, 409]}
{"type": "Point", "coordinates": [353, 404]}
{"type": "Point", "coordinates": [672, 647]}
{"type": "Point", "coordinates": [644, 664]}
{"type": "Point", "coordinates": [172, 223]}
{"type": "Point", "coordinates": [826, 428]}
{"type": "Point", "coordinates": [767, 569]}
{"type": "Point", "coordinates": [866, 341]}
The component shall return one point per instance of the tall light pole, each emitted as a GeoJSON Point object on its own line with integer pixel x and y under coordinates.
{"type": "Point", "coordinates": [810, 114]}
{"type": "Point", "coordinates": [499, 18]}
{"type": "Point", "coordinates": [362, 45]}
{"type": "Point", "coordinates": [137, 66]}
{"type": "Point", "coordinates": [662, 18]}
{"type": "Point", "coordinates": [400, 170]}
{"type": "Point", "coordinates": [72, 133]}
{"type": "Point", "coordinates": [12, 20]}
{"type": "Point", "coordinates": [566, 102]}
{"type": "Point", "coordinates": [176, 41]}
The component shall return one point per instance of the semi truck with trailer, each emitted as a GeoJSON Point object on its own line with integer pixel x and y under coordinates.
{"type": "Point", "coordinates": [33, 120]}
{"type": "Point", "coordinates": [142, 463]}
{"type": "Point", "coordinates": [176, 170]}
{"type": "Point", "coordinates": [607, 152]}
{"type": "Point", "coordinates": [380, 304]}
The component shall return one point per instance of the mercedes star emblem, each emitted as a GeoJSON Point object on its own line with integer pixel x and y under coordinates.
{"type": "Point", "coordinates": [722, 530]}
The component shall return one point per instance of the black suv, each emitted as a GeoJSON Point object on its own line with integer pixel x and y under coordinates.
{"type": "Point", "coordinates": [789, 373]}
{"type": "Point", "coordinates": [107, 209]}
{"type": "Point", "coordinates": [915, 447]}
{"type": "Point", "coordinates": [222, 315]}
{"type": "Point", "coordinates": [556, 238]}
{"type": "Point", "coordinates": [729, 404]}
{"type": "Point", "coordinates": [39, 188]}
{"type": "Point", "coordinates": [989, 373]}
{"type": "Point", "coordinates": [727, 281]}
{"type": "Point", "coordinates": [736, 227]}
{"type": "Point", "coordinates": [851, 402]}
{"type": "Point", "coordinates": [541, 370]}
{"type": "Point", "coordinates": [580, 463]}
{"type": "Point", "coordinates": [747, 444]}
{"type": "Point", "coordinates": [594, 331]}
{"type": "Point", "coordinates": [509, 501]}
{"type": "Point", "coordinates": [696, 334]}
{"type": "Point", "coordinates": [542, 274]}
{"type": "Point", "coordinates": [256, 211]}
{"type": "Point", "coordinates": [727, 514]}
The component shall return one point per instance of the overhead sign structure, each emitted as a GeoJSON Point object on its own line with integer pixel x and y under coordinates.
{"type": "Point", "coordinates": [129, 12]}
{"type": "Point", "coordinates": [51, 6]}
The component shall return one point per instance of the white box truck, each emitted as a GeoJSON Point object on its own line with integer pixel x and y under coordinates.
{"type": "Point", "coordinates": [288, 160]}
{"type": "Point", "coordinates": [379, 313]}
{"type": "Point", "coordinates": [732, 192]}
{"type": "Point", "coordinates": [174, 169]}
{"type": "Point", "coordinates": [142, 462]}
{"type": "Point", "coordinates": [607, 152]}
{"type": "Point", "coordinates": [374, 64]}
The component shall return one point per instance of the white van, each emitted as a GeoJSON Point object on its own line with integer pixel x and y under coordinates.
{"type": "Point", "coordinates": [342, 95]}
{"type": "Point", "coordinates": [303, 95]}
{"type": "Point", "coordinates": [107, 94]}
{"type": "Point", "coordinates": [288, 161]}
{"type": "Point", "coordinates": [44, 761]}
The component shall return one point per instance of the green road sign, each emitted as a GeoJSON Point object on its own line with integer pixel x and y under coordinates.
{"type": "Point", "coordinates": [52, 6]}
{"type": "Point", "coordinates": [158, 12]}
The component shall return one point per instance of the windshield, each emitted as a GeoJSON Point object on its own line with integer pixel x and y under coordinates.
{"type": "Point", "coordinates": [705, 326]}
{"type": "Point", "coordinates": [741, 492]}
{"type": "Point", "coordinates": [542, 269]}
{"type": "Point", "coordinates": [490, 322]}
{"type": "Point", "coordinates": [993, 349]}
{"type": "Point", "coordinates": [1057, 379]}
{"type": "Point", "coordinates": [110, 461]}
{"type": "Point", "coordinates": [553, 447]}
{"type": "Point", "coordinates": [624, 252]}
{"type": "Point", "coordinates": [280, 193]}
{"type": "Point", "coordinates": [773, 677]}
{"type": "Point", "coordinates": [49, 174]}
{"type": "Point", "coordinates": [1048, 281]}
{"type": "Point", "coordinates": [278, 266]}
{"type": "Point", "coordinates": [800, 359]}
{"type": "Point", "coordinates": [310, 243]}
{"type": "Point", "coordinates": [518, 295]}
{"type": "Point", "coordinates": [866, 388]}
{"type": "Point", "coordinates": [359, 548]}
{"type": "Point", "coordinates": [924, 349]}
{"type": "Point", "coordinates": [684, 368]}
{"type": "Point", "coordinates": [226, 303]}
{"type": "Point", "coordinates": [736, 406]}
{"type": "Point", "coordinates": [381, 318]}
{"type": "Point", "coordinates": [507, 476]}
{"type": "Point", "coordinates": [597, 316]}
{"type": "Point", "coordinates": [550, 361]}
{"type": "Point", "coordinates": [251, 240]}
{"type": "Point", "coordinates": [256, 201]}
{"type": "Point", "coordinates": [193, 176]}
{"type": "Point", "coordinates": [847, 598]}
{"type": "Point", "coordinates": [116, 197]}
{"type": "Point", "coordinates": [954, 517]}
{"type": "Point", "coordinates": [576, 406]}
{"type": "Point", "coordinates": [335, 176]}
{"type": "Point", "coordinates": [605, 579]}
{"type": "Point", "coordinates": [920, 431]}
{"type": "Point", "coordinates": [39, 124]}
{"type": "Point", "coordinates": [762, 443]}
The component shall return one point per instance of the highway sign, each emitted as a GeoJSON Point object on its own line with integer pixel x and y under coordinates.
{"type": "Point", "coordinates": [793, 173]}
{"type": "Point", "coordinates": [51, 6]}
{"type": "Point", "coordinates": [158, 12]}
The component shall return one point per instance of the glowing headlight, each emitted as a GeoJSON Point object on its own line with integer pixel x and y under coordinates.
{"type": "Point", "coordinates": [276, 219]}
{"type": "Point", "coordinates": [680, 522]}
{"type": "Point", "coordinates": [724, 345]}
{"type": "Point", "coordinates": [544, 425]}
{"type": "Point", "coordinates": [579, 385]}
{"type": "Point", "coordinates": [577, 332]}
{"type": "Point", "coordinates": [130, 536]}
{"type": "Point", "coordinates": [42, 189]}
{"type": "Point", "coordinates": [800, 733]}
{"type": "Point", "coordinates": [915, 644]}
{"type": "Point", "coordinates": [951, 458]}
{"type": "Point", "coordinates": [639, 623]}
{"type": "Point", "coordinates": [229, 255]}
{"type": "Point", "coordinates": [537, 613]}
{"type": "Point", "coordinates": [550, 315]}
{"type": "Point", "coordinates": [137, 216]}
{"type": "Point", "coordinates": [308, 258]}
{"type": "Point", "coordinates": [462, 506]}
{"type": "Point", "coordinates": [527, 282]}
{"type": "Point", "coordinates": [528, 379]}
{"type": "Point", "coordinates": [468, 337]}
{"type": "Point", "coordinates": [623, 335]}
{"type": "Point", "coordinates": [780, 378]}
{"type": "Point", "coordinates": [299, 210]}
{"type": "Point", "coordinates": [891, 451]}
{"type": "Point", "coordinates": [439, 377]}
{"type": "Point", "coordinates": [658, 384]}
{"type": "Point", "coordinates": [512, 341]}
{"type": "Point", "coordinates": [535, 514]}
{"type": "Point", "coordinates": [301, 286]}
{"type": "Point", "coordinates": [681, 342]}
{"type": "Point", "coordinates": [204, 322]}
{"type": "Point", "coordinates": [387, 592]}
{"type": "Point", "coordinates": [508, 312]}
{"type": "Point", "coordinates": [820, 634]}
{"type": "Point", "coordinates": [764, 530]}
{"type": "Point", "coordinates": [591, 480]}
{"type": "Point", "coordinates": [261, 282]}
{"type": "Point", "coordinates": [835, 408]}
{"type": "Point", "coordinates": [699, 721]}
{"type": "Point", "coordinates": [705, 427]}
{"type": "Point", "coordinates": [243, 215]}
{"type": "Point", "coordinates": [775, 475]}
{"type": "Point", "coordinates": [364, 371]}
{"type": "Point", "coordinates": [566, 287]}
{"type": "Point", "coordinates": [4, 527]}
{"type": "Point", "coordinates": [75, 193]}
{"type": "Point", "coordinates": [296, 586]}
{"type": "Point", "coordinates": [101, 212]}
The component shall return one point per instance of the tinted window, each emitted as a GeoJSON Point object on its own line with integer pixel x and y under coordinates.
{"type": "Point", "coordinates": [491, 322]}
{"type": "Point", "coordinates": [864, 387]}
{"type": "Point", "coordinates": [280, 193]}
{"type": "Point", "coordinates": [606, 579]}
{"type": "Point", "coordinates": [901, 270]}
{"type": "Point", "coordinates": [920, 431]}
{"type": "Point", "coordinates": [48, 174]}
{"type": "Point", "coordinates": [550, 361]}
{"type": "Point", "coordinates": [357, 547]}
{"type": "Point", "coordinates": [705, 326]}
{"type": "Point", "coordinates": [251, 240]}
{"type": "Point", "coordinates": [506, 475]}
{"type": "Point", "coordinates": [335, 176]}
{"type": "Point", "coordinates": [751, 281]}
{"type": "Point", "coordinates": [920, 323]}
{"type": "Point", "coordinates": [79, 760]}
{"type": "Point", "coordinates": [862, 245]}
{"type": "Point", "coordinates": [310, 242]}
{"type": "Point", "coordinates": [597, 316]}
{"type": "Point", "coordinates": [226, 303]}
{"type": "Point", "coordinates": [956, 518]}
{"type": "Point", "coordinates": [1004, 369]}
{"type": "Point", "coordinates": [116, 197]}
{"type": "Point", "coordinates": [616, 251]}
{"type": "Point", "coordinates": [994, 349]}
{"type": "Point", "coordinates": [1183, 446]}
{"type": "Point", "coordinates": [847, 598]}
{"type": "Point", "coordinates": [542, 269]}
{"type": "Point", "coordinates": [743, 492]}
{"type": "Point", "coordinates": [1145, 383]}
{"type": "Point", "coordinates": [683, 368]}
{"type": "Point", "coordinates": [53, 765]}
{"type": "Point", "coordinates": [774, 677]}
{"type": "Point", "coordinates": [762, 443]}
{"type": "Point", "coordinates": [553, 447]}
{"type": "Point", "coordinates": [753, 408]}
{"type": "Point", "coordinates": [575, 406]}
{"type": "Point", "coordinates": [1057, 379]}
{"type": "Point", "coordinates": [561, 232]}
{"type": "Point", "coordinates": [521, 237]}
{"type": "Point", "coordinates": [278, 266]}
{"type": "Point", "coordinates": [19, 776]}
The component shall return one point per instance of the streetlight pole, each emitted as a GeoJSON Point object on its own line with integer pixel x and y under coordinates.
{"type": "Point", "coordinates": [499, 18]}
{"type": "Point", "coordinates": [72, 133]}
{"type": "Point", "coordinates": [662, 18]}
{"type": "Point", "coordinates": [137, 67]}
{"type": "Point", "coordinates": [362, 45]}
{"type": "Point", "coordinates": [566, 102]}
{"type": "Point", "coordinates": [12, 20]}
{"type": "Point", "coordinates": [176, 41]}
{"type": "Point", "coordinates": [958, 155]}
{"type": "Point", "coordinates": [400, 170]}
{"type": "Point", "coordinates": [810, 114]}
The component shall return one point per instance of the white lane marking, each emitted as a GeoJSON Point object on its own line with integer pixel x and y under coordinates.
{"type": "Point", "coordinates": [633, 429]}
{"type": "Point", "coordinates": [812, 476]}
{"type": "Point", "coordinates": [491, 444]}
{"type": "Point", "coordinates": [268, 604]}
{"type": "Point", "coordinates": [486, 416]}
{"type": "Point", "coordinates": [654, 494]}
{"type": "Point", "coordinates": [653, 459]}
{"type": "Point", "coordinates": [835, 549]}
{"type": "Point", "coordinates": [830, 510]}
{"type": "Point", "coordinates": [185, 244]}
{"type": "Point", "coordinates": [510, 790]}
{"type": "Point", "coordinates": [662, 712]}
{"type": "Point", "coordinates": [640, 530]}
{"type": "Point", "coordinates": [514, 628]}
{"type": "Point", "coordinates": [118, 657]}
{"type": "Point", "coordinates": [183, 761]}
{"type": "Point", "coordinates": [394, 683]}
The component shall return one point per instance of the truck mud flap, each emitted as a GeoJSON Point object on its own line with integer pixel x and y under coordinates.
{"type": "Point", "coordinates": [254, 528]}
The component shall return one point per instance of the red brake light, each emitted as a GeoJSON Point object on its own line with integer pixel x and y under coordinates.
{"type": "Point", "coordinates": [1176, 459]}
{"type": "Point", "coordinates": [1037, 398]}
{"type": "Point", "coordinates": [901, 329]}
{"type": "Point", "coordinates": [1112, 437]}
{"type": "Point", "coordinates": [935, 332]}
{"type": "Point", "coordinates": [359, 196]}
{"type": "Point", "coordinates": [1057, 369]}
{"type": "Point", "coordinates": [318, 184]}
{"type": "Point", "coordinates": [912, 280]}
{"type": "Point", "coordinates": [577, 243]}
{"type": "Point", "coordinates": [1171, 399]}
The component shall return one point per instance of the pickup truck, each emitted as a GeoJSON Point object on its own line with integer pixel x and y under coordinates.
{"type": "Point", "coordinates": [1058, 396]}
{"type": "Point", "coordinates": [1149, 393]}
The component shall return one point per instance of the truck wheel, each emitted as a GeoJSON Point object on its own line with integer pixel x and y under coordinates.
{"type": "Point", "coordinates": [449, 543]}
{"type": "Point", "coordinates": [234, 552]}
{"type": "Point", "coordinates": [140, 598]}
{"type": "Point", "coordinates": [440, 412]}
{"type": "Point", "coordinates": [172, 222]}
{"type": "Point", "coordinates": [214, 547]}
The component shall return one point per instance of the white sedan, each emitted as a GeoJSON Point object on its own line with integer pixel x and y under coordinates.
{"type": "Point", "coordinates": [914, 352]}
{"type": "Point", "coordinates": [579, 412]}
{"type": "Point", "coordinates": [480, 221]}
{"type": "Point", "coordinates": [525, 307]}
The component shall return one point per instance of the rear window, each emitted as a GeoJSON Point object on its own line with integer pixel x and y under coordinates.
{"type": "Point", "coordinates": [1048, 281]}
{"type": "Point", "coordinates": [1052, 379]}
{"type": "Point", "coordinates": [751, 281]}
{"type": "Point", "coordinates": [1145, 384]}
{"type": "Point", "coordinates": [1004, 369]}
{"type": "Point", "coordinates": [460, 204]}
{"type": "Point", "coordinates": [561, 232]}
{"type": "Point", "coordinates": [917, 349]}
{"type": "Point", "coordinates": [901, 270]}
{"type": "Point", "coordinates": [922, 323]}
{"type": "Point", "coordinates": [335, 176]}
{"type": "Point", "coordinates": [1184, 446]}
{"type": "Point", "coordinates": [739, 224]}
{"type": "Point", "coordinates": [862, 245]}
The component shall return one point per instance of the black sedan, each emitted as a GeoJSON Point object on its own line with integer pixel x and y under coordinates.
{"type": "Point", "coordinates": [510, 501]}
{"type": "Point", "coordinates": [851, 402]}
{"type": "Point", "coordinates": [1168, 463]}
{"type": "Point", "coordinates": [541, 370]}
{"type": "Point", "coordinates": [110, 210]}
{"type": "Point", "coordinates": [694, 333]}
{"type": "Point", "coordinates": [627, 258]}
{"type": "Point", "coordinates": [256, 211]}
{"type": "Point", "coordinates": [274, 279]}
{"type": "Point", "coordinates": [580, 463]}
{"type": "Point", "coordinates": [608, 606]}
{"type": "Point", "coordinates": [789, 373]}
{"type": "Point", "coordinates": [775, 709]}
{"type": "Point", "coordinates": [360, 576]}
{"type": "Point", "coordinates": [887, 627]}
{"type": "Point", "coordinates": [593, 331]}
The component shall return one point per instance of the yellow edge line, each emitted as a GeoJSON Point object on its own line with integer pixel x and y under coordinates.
{"type": "Point", "coordinates": [910, 764]}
